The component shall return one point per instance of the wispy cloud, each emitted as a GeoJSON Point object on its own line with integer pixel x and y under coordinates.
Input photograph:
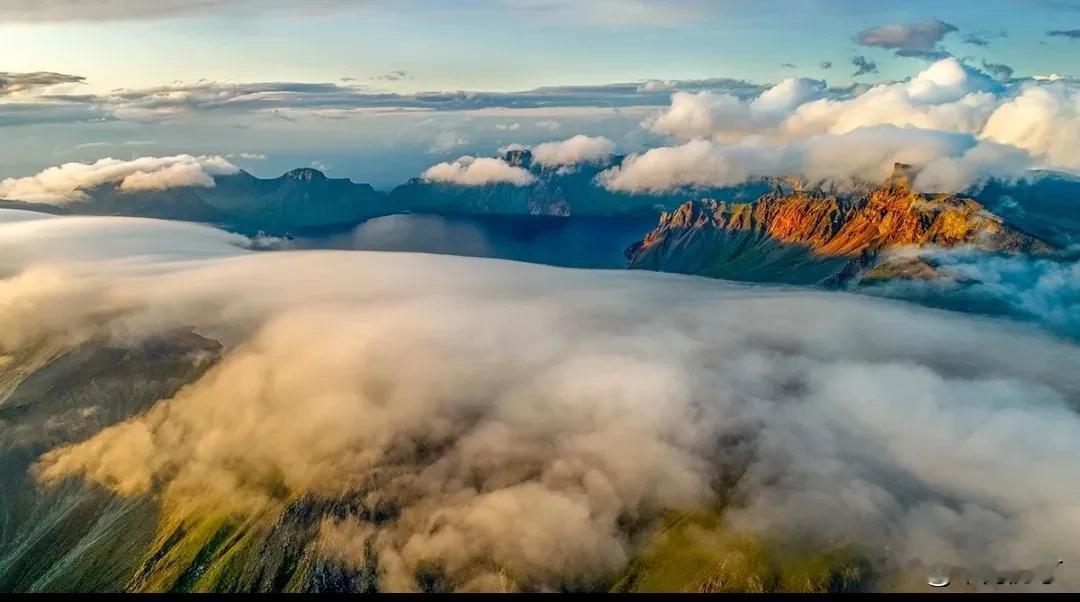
{"type": "Point", "coordinates": [1072, 34]}
{"type": "Point", "coordinates": [12, 83]}
{"type": "Point", "coordinates": [922, 35]}
{"type": "Point", "coordinates": [294, 100]}
{"type": "Point", "coordinates": [863, 66]}
{"type": "Point", "coordinates": [918, 40]}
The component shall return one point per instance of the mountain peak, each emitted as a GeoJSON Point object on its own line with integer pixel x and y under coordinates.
{"type": "Point", "coordinates": [901, 177]}
{"type": "Point", "coordinates": [521, 157]}
{"type": "Point", "coordinates": [306, 174]}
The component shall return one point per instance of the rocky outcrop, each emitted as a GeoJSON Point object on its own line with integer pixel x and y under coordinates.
{"type": "Point", "coordinates": [813, 237]}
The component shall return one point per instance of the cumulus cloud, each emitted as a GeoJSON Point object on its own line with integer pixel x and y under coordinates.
{"type": "Point", "coordinates": [704, 114]}
{"type": "Point", "coordinates": [526, 423]}
{"type": "Point", "coordinates": [963, 125]}
{"type": "Point", "coordinates": [473, 171]}
{"type": "Point", "coordinates": [863, 155]}
{"type": "Point", "coordinates": [1042, 119]}
{"type": "Point", "coordinates": [945, 96]}
{"type": "Point", "coordinates": [67, 182]}
{"type": "Point", "coordinates": [697, 163]}
{"type": "Point", "coordinates": [573, 151]}
{"type": "Point", "coordinates": [920, 36]}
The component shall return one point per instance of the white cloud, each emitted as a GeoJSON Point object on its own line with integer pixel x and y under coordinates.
{"type": "Point", "coordinates": [788, 94]}
{"type": "Point", "coordinates": [700, 114]}
{"type": "Point", "coordinates": [724, 117]}
{"type": "Point", "coordinates": [951, 161]}
{"type": "Point", "coordinates": [698, 163]}
{"type": "Point", "coordinates": [962, 127]}
{"type": "Point", "coordinates": [472, 171]}
{"type": "Point", "coordinates": [945, 96]}
{"type": "Point", "coordinates": [557, 410]}
{"type": "Point", "coordinates": [573, 151]}
{"type": "Point", "coordinates": [66, 183]}
{"type": "Point", "coordinates": [985, 160]}
{"type": "Point", "coordinates": [1044, 120]}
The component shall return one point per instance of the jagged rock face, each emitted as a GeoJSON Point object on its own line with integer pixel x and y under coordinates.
{"type": "Point", "coordinates": [811, 237]}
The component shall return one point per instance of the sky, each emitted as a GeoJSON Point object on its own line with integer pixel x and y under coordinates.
{"type": "Point", "coordinates": [348, 86]}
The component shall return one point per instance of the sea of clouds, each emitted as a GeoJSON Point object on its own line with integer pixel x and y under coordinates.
{"type": "Point", "coordinates": [529, 422]}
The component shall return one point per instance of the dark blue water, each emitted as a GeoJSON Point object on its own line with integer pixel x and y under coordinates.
{"type": "Point", "coordinates": [580, 242]}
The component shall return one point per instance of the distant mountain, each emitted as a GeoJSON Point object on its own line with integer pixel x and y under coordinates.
{"type": "Point", "coordinates": [556, 191]}
{"type": "Point", "coordinates": [1047, 204]}
{"type": "Point", "coordinates": [39, 207]}
{"type": "Point", "coordinates": [301, 198]}
{"type": "Point", "coordinates": [1044, 205]}
{"type": "Point", "coordinates": [819, 238]}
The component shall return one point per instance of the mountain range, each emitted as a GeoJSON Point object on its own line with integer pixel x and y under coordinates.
{"type": "Point", "coordinates": [764, 230]}
{"type": "Point", "coordinates": [812, 237]}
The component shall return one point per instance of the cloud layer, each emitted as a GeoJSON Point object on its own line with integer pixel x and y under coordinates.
{"type": "Point", "coordinates": [525, 421]}
{"type": "Point", "coordinates": [67, 182]}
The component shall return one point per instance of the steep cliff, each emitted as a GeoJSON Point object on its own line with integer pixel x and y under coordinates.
{"type": "Point", "coordinates": [819, 238]}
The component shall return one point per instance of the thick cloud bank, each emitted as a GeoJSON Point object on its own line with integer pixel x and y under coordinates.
{"type": "Point", "coordinates": [526, 421]}
{"type": "Point", "coordinates": [67, 182]}
{"type": "Point", "coordinates": [473, 171]}
{"type": "Point", "coordinates": [1042, 290]}
{"type": "Point", "coordinates": [997, 131]}
{"type": "Point", "coordinates": [573, 151]}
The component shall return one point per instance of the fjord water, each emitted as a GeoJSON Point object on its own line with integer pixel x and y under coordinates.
{"type": "Point", "coordinates": [578, 242]}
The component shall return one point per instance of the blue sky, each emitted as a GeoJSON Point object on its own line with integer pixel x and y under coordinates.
{"type": "Point", "coordinates": [411, 46]}
{"type": "Point", "coordinates": [492, 45]}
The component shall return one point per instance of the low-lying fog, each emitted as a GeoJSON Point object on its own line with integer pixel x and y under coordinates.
{"type": "Point", "coordinates": [522, 416]}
